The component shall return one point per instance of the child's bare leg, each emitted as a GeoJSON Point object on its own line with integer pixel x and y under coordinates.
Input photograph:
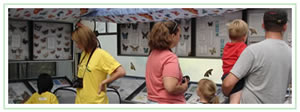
{"type": "Point", "coordinates": [235, 97]}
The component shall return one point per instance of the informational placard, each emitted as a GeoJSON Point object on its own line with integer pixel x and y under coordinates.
{"type": "Point", "coordinates": [52, 41]}
{"type": "Point", "coordinates": [257, 33]}
{"type": "Point", "coordinates": [133, 38]}
{"type": "Point", "coordinates": [212, 34]}
{"type": "Point", "coordinates": [18, 40]}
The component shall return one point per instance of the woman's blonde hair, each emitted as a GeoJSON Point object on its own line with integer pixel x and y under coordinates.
{"type": "Point", "coordinates": [208, 89]}
{"type": "Point", "coordinates": [237, 29]}
{"type": "Point", "coordinates": [85, 37]}
{"type": "Point", "coordinates": [159, 37]}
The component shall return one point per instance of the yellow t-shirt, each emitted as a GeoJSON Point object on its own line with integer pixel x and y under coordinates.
{"type": "Point", "coordinates": [101, 64]}
{"type": "Point", "coordinates": [44, 98]}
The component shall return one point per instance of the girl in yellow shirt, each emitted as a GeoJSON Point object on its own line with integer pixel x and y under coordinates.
{"type": "Point", "coordinates": [43, 96]}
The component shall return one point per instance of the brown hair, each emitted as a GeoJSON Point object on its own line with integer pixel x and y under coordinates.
{"type": "Point", "coordinates": [237, 29]}
{"type": "Point", "coordinates": [86, 37]}
{"type": "Point", "coordinates": [208, 89]}
{"type": "Point", "coordinates": [159, 37]}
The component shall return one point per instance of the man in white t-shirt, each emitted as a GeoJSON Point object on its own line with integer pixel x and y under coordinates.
{"type": "Point", "coordinates": [266, 66]}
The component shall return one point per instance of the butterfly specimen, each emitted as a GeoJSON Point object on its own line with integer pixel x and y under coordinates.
{"type": "Point", "coordinates": [38, 51]}
{"type": "Point", "coordinates": [59, 13]}
{"type": "Point", "coordinates": [253, 31]}
{"type": "Point", "coordinates": [186, 37]}
{"type": "Point", "coordinates": [67, 43]}
{"type": "Point", "coordinates": [59, 35]}
{"type": "Point", "coordinates": [52, 52]}
{"type": "Point", "coordinates": [187, 21]}
{"type": "Point", "coordinates": [45, 32]}
{"type": "Point", "coordinates": [210, 23]}
{"type": "Point", "coordinates": [186, 29]}
{"type": "Point", "coordinates": [60, 28]}
{"type": "Point", "coordinates": [18, 56]}
{"type": "Point", "coordinates": [67, 49]}
{"type": "Point", "coordinates": [36, 36]}
{"type": "Point", "coordinates": [45, 55]}
{"type": "Point", "coordinates": [125, 35]}
{"type": "Point", "coordinates": [20, 50]}
{"type": "Point", "coordinates": [208, 73]}
{"type": "Point", "coordinates": [125, 47]}
{"type": "Point", "coordinates": [145, 34]}
{"type": "Point", "coordinates": [13, 50]}
{"type": "Point", "coordinates": [57, 56]}
{"type": "Point", "coordinates": [212, 51]}
{"type": "Point", "coordinates": [135, 26]}
{"type": "Point", "coordinates": [25, 41]}
{"type": "Point", "coordinates": [12, 28]}
{"type": "Point", "coordinates": [36, 44]}
{"type": "Point", "coordinates": [58, 49]}
{"type": "Point", "coordinates": [23, 29]}
{"type": "Point", "coordinates": [44, 13]}
{"type": "Point", "coordinates": [134, 48]}
{"type": "Point", "coordinates": [37, 27]}
{"type": "Point", "coordinates": [168, 15]}
{"type": "Point", "coordinates": [35, 57]}
{"type": "Point", "coordinates": [43, 40]}
{"type": "Point", "coordinates": [132, 67]}
{"type": "Point", "coordinates": [146, 50]}
{"type": "Point", "coordinates": [53, 30]}
{"type": "Point", "coordinates": [58, 42]}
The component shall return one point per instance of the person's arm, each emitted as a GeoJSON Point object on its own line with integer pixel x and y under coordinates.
{"type": "Point", "coordinates": [228, 83]}
{"type": "Point", "coordinates": [172, 86]}
{"type": "Point", "coordinates": [119, 72]}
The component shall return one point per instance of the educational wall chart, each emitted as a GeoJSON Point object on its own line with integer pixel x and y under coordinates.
{"type": "Point", "coordinates": [133, 38]}
{"type": "Point", "coordinates": [18, 40]}
{"type": "Point", "coordinates": [212, 34]}
{"type": "Point", "coordinates": [183, 47]}
{"type": "Point", "coordinates": [257, 33]}
{"type": "Point", "coordinates": [52, 41]}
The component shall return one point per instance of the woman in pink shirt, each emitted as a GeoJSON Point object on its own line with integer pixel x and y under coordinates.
{"type": "Point", "coordinates": [163, 73]}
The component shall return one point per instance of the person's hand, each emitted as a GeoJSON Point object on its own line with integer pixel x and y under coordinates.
{"type": "Point", "coordinates": [101, 88]}
{"type": "Point", "coordinates": [186, 83]}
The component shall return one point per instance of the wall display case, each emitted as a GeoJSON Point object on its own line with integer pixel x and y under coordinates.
{"type": "Point", "coordinates": [212, 34]}
{"type": "Point", "coordinates": [257, 33]}
{"type": "Point", "coordinates": [132, 39]}
{"type": "Point", "coordinates": [52, 41]}
{"type": "Point", "coordinates": [18, 40]}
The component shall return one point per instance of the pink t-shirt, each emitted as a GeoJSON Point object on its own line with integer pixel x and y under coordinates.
{"type": "Point", "coordinates": [162, 63]}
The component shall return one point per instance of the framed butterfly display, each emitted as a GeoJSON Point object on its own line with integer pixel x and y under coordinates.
{"type": "Point", "coordinates": [132, 39]}
{"type": "Point", "coordinates": [212, 34]}
{"type": "Point", "coordinates": [52, 41]}
{"type": "Point", "coordinates": [18, 40]}
{"type": "Point", "coordinates": [183, 47]}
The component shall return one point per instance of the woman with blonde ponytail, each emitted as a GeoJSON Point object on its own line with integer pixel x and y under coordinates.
{"type": "Point", "coordinates": [207, 92]}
